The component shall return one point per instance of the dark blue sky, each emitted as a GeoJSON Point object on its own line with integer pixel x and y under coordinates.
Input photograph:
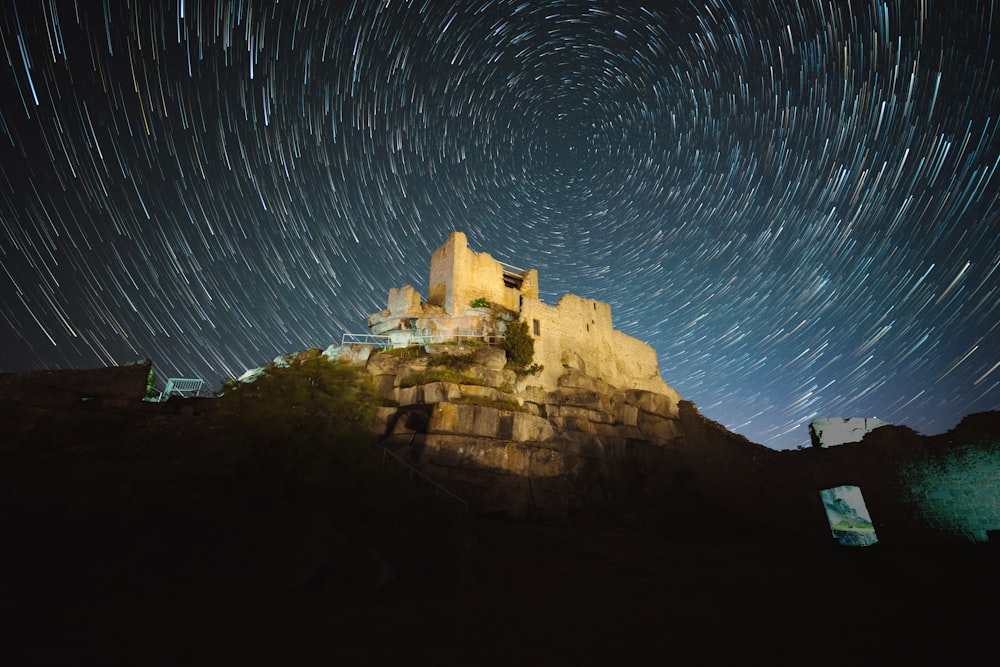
{"type": "Point", "coordinates": [795, 202]}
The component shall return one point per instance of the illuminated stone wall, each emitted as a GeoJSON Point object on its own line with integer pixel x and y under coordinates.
{"type": "Point", "coordinates": [919, 489]}
{"type": "Point", "coordinates": [579, 330]}
{"type": "Point", "coordinates": [955, 493]}
{"type": "Point", "coordinates": [576, 334]}
{"type": "Point", "coordinates": [460, 276]}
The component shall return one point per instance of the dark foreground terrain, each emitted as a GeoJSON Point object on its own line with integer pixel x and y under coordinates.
{"type": "Point", "coordinates": [154, 534]}
{"type": "Point", "coordinates": [534, 595]}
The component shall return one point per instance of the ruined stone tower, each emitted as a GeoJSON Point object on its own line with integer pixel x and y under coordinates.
{"type": "Point", "coordinates": [576, 334]}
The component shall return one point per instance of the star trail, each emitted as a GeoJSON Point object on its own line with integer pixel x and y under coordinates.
{"type": "Point", "coordinates": [794, 202]}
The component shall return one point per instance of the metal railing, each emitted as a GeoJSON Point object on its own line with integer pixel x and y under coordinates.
{"type": "Point", "coordinates": [402, 338]}
{"type": "Point", "coordinates": [181, 386]}
{"type": "Point", "coordinates": [388, 455]}
{"type": "Point", "coordinates": [366, 339]}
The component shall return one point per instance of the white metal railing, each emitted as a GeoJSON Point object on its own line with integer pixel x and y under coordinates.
{"type": "Point", "coordinates": [181, 386]}
{"type": "Point", "coordinates": [366, 339]}
{"type": "Point", "coordinates": [403, 338]}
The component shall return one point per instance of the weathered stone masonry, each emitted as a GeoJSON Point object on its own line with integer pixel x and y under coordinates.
{"type": "Point", "coordinates": [576, 333]}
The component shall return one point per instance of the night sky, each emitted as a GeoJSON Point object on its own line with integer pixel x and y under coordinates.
{"type": "Point", "coordinates": [795, 202]}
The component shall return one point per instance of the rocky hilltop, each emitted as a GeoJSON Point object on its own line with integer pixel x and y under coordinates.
{"type": "Point", "coordinates": [510, 446]}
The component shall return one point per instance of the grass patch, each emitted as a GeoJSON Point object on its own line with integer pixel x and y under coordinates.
{"type": "Point", "coordinates": [409, 352]}
{"type": "Point", "coordinates": [440, 374]}
{"type": "Point", "coordinates": [848, 528]}
{"type": "Point", "coordinates": [464, 342]}
{"type": "Point", "coordinates": [459, 362]}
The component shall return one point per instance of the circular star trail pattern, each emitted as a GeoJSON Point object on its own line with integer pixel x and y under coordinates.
{"type": "Point", "coordinates": [795, 203]}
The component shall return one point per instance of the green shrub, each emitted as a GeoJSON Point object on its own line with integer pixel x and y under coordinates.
{"type": "Point", "coordinates": [150, 386]}
{"type": "Point", "coordinates": [301, 430]}
{"type": "Point", "coordinates": [481, 302]}
{"type": "Point", "coordinates": [309, 397]}
{"type": "Point", "coordinates": [520, 348]}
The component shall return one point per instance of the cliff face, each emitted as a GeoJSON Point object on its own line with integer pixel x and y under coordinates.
{"type": "Point", "coordinates": [510, 446]}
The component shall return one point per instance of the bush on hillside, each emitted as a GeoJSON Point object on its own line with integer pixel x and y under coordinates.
{"type": "Point", "coordinates": [311, 397]}
{"type": "Point", "coordinates": [302, 428]}
{"type": "Point", "coordinates": [520, 348]}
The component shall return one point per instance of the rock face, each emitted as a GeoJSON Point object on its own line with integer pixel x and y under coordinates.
{"type": "Point", "coordinates": [511, 446]}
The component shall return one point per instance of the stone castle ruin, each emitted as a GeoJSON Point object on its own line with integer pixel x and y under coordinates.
{"type": "Point", "coordinates": [517, 443]}
{"type": "Point", "coordinates": [472, 295]}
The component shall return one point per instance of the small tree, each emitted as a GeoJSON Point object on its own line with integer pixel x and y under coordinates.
{"type": "Point", "coordinates": [520, 348]}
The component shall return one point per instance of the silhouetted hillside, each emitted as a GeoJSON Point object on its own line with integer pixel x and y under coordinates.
{"type": "Point", "coordinates": [160, 533]}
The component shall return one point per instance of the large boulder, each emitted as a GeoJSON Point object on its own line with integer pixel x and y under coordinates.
{"type": "Point", "coordinates": [465, 419]}
{"type": "Point", "coordinates": [654, 403]}
{"type": "Point", "coordinates": [494, 378]}
{"type": "Point", "coordinates": [354, 354]}
{"type": "Point", "coordinates": [658, 428]}
{"type": "Point", "coordinates": [493, 358]}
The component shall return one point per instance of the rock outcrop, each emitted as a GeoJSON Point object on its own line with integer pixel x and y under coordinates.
{"type": "Point", "coordinates": [511, 446]}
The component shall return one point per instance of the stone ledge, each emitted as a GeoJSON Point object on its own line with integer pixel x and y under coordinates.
{"type": "Point", "coordinates": [585, 414]}
{"type": "Point", "coordinates": [657, 404]}
{"type": "Point", "coordinates": [506, 456]}
{"type": "Point", "coordinates": [487, 422]}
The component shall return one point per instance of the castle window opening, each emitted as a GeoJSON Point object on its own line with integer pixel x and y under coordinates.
{"type": "Point", "coordinates": [512, 280]}
{"type": "Point", "coordinates": [536, 327]}
{"type": "Point", "coordinates": [848, 516]}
